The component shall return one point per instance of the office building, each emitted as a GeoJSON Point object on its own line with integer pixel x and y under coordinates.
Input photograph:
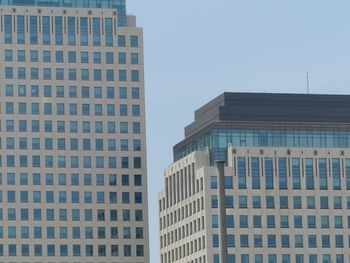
{"type": "Point", "coordinates": [286, 190]}
{"type": "Point", "coordinates": [73, 157]}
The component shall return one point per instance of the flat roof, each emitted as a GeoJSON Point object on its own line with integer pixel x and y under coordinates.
{"type": "Point", "coordinates": [272, 108]}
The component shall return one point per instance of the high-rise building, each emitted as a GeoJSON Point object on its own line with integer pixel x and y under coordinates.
{"type": "Point", "coordinates": [285, 194]}
{"type": "Point", "coordinates": [73, 152]}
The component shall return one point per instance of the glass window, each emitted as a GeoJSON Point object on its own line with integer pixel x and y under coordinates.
{"type": "Point", "coordinates": [84, 31]}
{"type": "Point", "coordinates": [336, 174]}
{"type": "Point", "coordinates": [322, 166]}
{"type": "Point", "coordinates": [309, 173]}
{"type": "Point", "coordinates": [84, 57]}
{"type": "Point", "coordinates": [297, 202]}
{"type": "Point", "coordinates": [46, 30]}
{"type": "Point", "coordinates": [34, 56]}
{"type": "Point", "coordinates": [282, 173]}
{"type": "Point", "coordinates": [134, 41]}
{"type": "Point", "coordinates": [311, 221]}
{"type": "Point", "coordinates": [96, 31]}
{"type": "Point", "coordinates": [268, 173]}
{"type": "Point", "coordinates": [324, 202]}
{"type": "Point", "coordinates": [310, 202]}
{"type": "Point", "coordinates": [135, 75]}
{"type": "Point", "coordinates": [71, 30]}
{"type": "Point", "coordinates": [135, 93]}
{"type": "Point", "coordinates": [122, 58]}
{"type": "Point", "coordinates": [134, 58]}
{"type": "Point", "coordinates": [72, 57]}
{"type": "Point", "coordinates": [8, 55]}
{"type": "Point", "coordinates": [58, 30]}
{"type": "Point", "coordinates": [97, 57]}
{"type": "Point", "coordinates": [21, 55]}
{"type": "Point", "coordinates": [109, 58]}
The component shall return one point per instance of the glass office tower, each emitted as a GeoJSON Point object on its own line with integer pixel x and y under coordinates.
{"type": "Point", "coordinates": [73, 152]}
{"type": "Point", "coordinates": [286, 185]}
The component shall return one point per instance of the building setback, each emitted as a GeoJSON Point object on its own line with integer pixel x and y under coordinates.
{"type": "Point", "coordinates": [73, 150]}
{"type": "Point", "coordinates": [286, 184]}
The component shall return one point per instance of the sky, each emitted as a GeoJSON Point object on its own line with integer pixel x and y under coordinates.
{"type": "Point", "coordinates": [197, 49]}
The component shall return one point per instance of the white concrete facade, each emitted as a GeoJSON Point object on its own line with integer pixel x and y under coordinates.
{"type": "Point", "coordinates": [292, 205]}
{"type": "Point", "coordinates": [73, 147]}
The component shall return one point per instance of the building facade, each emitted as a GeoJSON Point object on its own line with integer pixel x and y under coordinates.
{"type": "Point", "coordinates": [286, 184]}
{"type": "Point", "coordinates": [73, 150]}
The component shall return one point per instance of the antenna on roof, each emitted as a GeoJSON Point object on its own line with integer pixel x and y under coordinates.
{"type": "Point", "coordinates": [307, 83]}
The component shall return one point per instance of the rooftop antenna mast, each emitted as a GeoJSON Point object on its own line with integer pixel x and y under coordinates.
{"type": "Point", "coordinates": [307, 83]}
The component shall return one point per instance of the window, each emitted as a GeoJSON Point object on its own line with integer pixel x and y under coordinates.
{"type": "Point", "coordinates": [135, 110]}
{"type": "Point", "coordinates": [284, 221]}
{"type": "Point", "coordinates": [243, 221]}
{"type": "Point", "coordinates": [336, 174]}
{"type": "Point", "coordinates": [22, 91]}
{"type": "Point", "coordinates": [298, 221]}
{"type": "Point", "coordinates": [325, 241]}
{"type": "Point", "coordinates": [339, 242]}
{"type": "Point", "coordinates": [337, 202]}
{"type": "Point", "coordinates": [121, 41]}
{"type": "Point", "coordinates": [268, 173]}
{"type": "Point", "coordinates": [135, 75]}
{"type": "Point", "coordinates": [71, 30]}
{"type": "Point", "coordinates": [135, 93]}
{"type": "Point", "coordinates": [8, 29]}
{"type": "Point", "coordinates": [138, 197]}
{"type": "Point", "coordinates": [283, 202]}
{"type": "Point", "coordinates": [109, 58]}
{"type": "Point", "coordinates": [122, 58]}
{"type": "Point", "coordinates": [96, 31]}
{"type": "Point", "coordinates": [311, 221]}
{"type": "Point", "coordinates": [83, 31]}
{"type": "Point", "coordinates": [285, 240]}
{"type": "Point", "coordinates": [8, 55]}
{"type": "Point", "coordinates": [282, 173]}
{"type": "Point", "coordinates": [322, 166]}
{"type": "Point", "coordinates": [325, 221]}
{"type": "Point", "coordinates": [309, 173]}
{"type": "Point", "coordinates": [257, 221]}
{"type": "Point", "coordinates": [230, 241]}
{"type": "Point", "coordinates": [271, 240]}
{"type": "Point", "coordinates": [21, 56]}
{"type": "Point", "coordinates": [338, 222]}
{"type": "Point", "coordinates": [72, 74]}
{"type": "Point", "coordinates": [59, 74]}
{"type": "Point", "coordinates": [241, 173]}
{"type": "Point", "coordinates": [122, 74]}
{"type": "Point", "coordinates": [110, 92]}
{"type": "Point", "coordinates": [122, 93]}
{"type": "Point", "coordinates": [310, 202]}
{"type": "Point", "coordinates": [298, 239]}
{"type": "Point", "coordinates": [243, 202]}
{"type": "Point", "coordinates": [134, 58]}
{"type": "Point", "coordinates": [270, 202]}
{"type": "Point", "coordinates": [324, 202]}
{"type": "Point", "coordinates": [8, 73]}
{"type": "Point", "coordinates": [47, 56]}
{"type": "Point", "coordinates": [134, 41]}
{"type": "Point", "coordinates": [110, 75]}
{"type": "Point", "coordinates": [97, 75]}
{"type": "Point", "coordinates": [34, 56]}
{"type": "Point", "coordinates": [255, 173]}
{"type": "Point", "coordinates": [244, 241]}
{"type": "Point", "coordinates": [297, 202]}
{"type": "Point", "coordinates": [270, 221]}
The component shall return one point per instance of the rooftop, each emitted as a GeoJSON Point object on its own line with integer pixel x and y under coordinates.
{"type": "Point", "coordinates": [272, 108]}
{"type": "Point", "coordinates": [119, 5]}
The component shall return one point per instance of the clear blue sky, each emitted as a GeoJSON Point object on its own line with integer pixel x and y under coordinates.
{"type": "Point", "coordinates": [197, 49]}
